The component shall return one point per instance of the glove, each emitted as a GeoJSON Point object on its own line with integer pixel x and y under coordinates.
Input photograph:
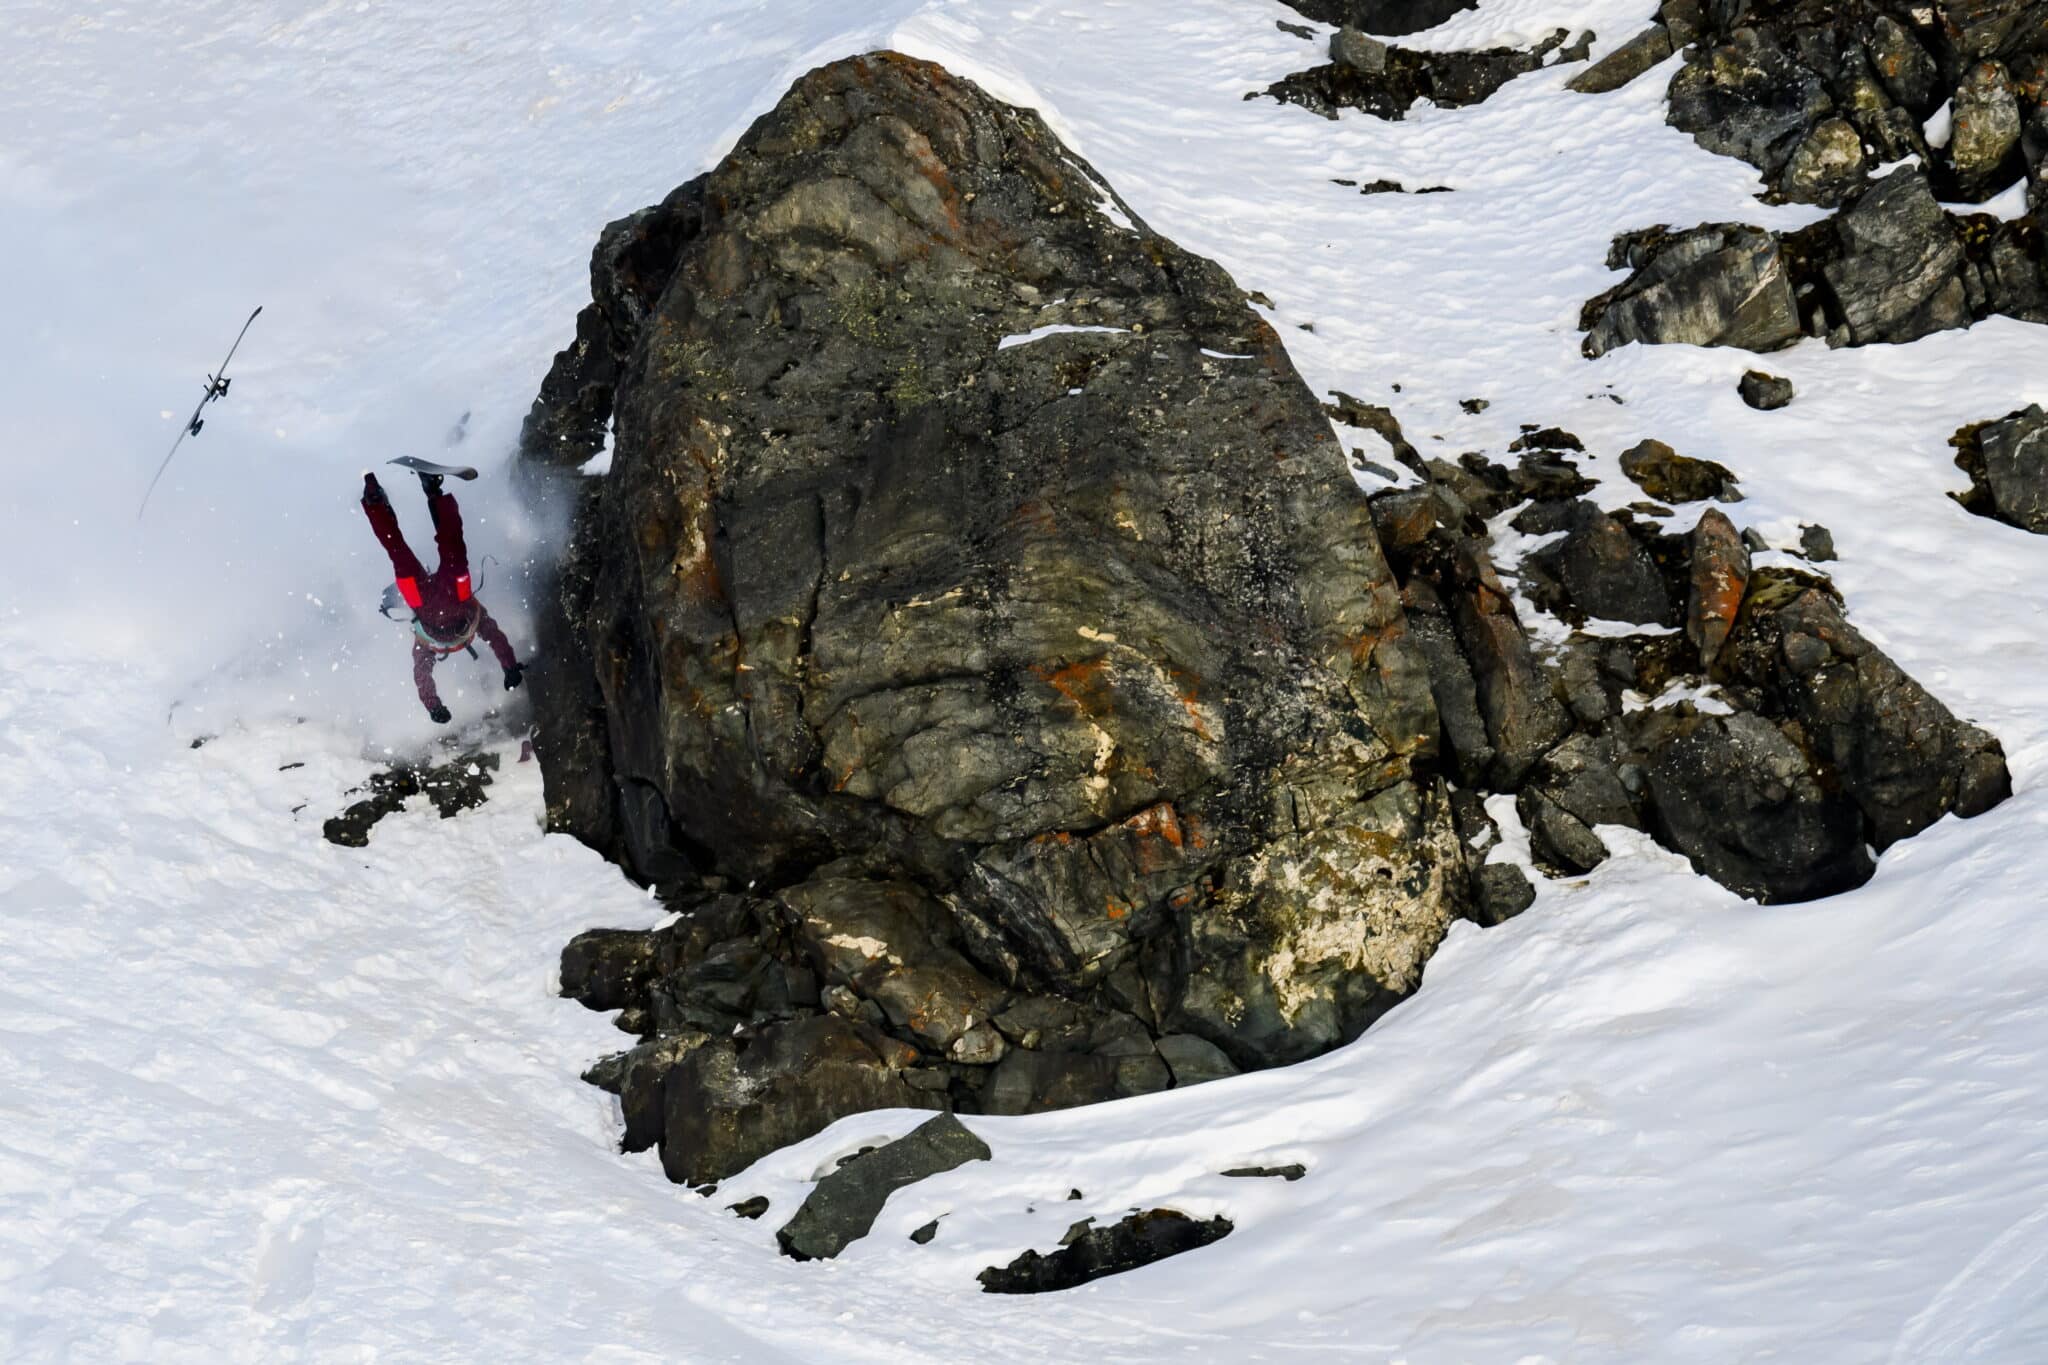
{"type": "Point", "coordinates": [514, 676]}
{"type": "Point", "coordinates": [438, 714]}
{"type": "Point", "coordinates": [373, 492]}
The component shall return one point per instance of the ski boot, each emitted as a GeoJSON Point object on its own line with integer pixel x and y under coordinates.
{"type": "Point", "coordinates": [373, 492]}
{"type": "Point", "coordinates": [431, 484]}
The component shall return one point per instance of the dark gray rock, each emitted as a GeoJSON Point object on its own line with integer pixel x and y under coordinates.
{"type": "Point", "coordinates": [1764, 392]}
{"type": "Point", "coordinates": [2007, 461]}
{"type": "Point", "coordinates": [456, 785]}
{"type": "Point", "coordinates": [1089, 1253]}
{"type": "Point", "coordinates": [1750, 98]}
{"type": "Point", "coordinates": [1503, 891]}
{"type": "Point", "coordinates": [1897, 278]}
{"type": "Point", "coordinates": [1817, 543]}
{"type": "Point", "coordinates": [610, 969]}
{"type": "Point", "coordinates": [1747, 807]}
{"type": "Point", "coordinates": [1897, 752]}
{"type": "Point", "coordinates": [1718, 285]}
{"type": "Point", "coordinates": [1194, 1060]}
{"type": "Point", "coordinates": [1668, 476]}
{"type": "Point", "coordinates": [1583, 782]}
{"type": "Point", "coordinates": [1604, 572]}
{"type": "Point", "coordinates": [731, 1102]}
{"type": "Point", "coordinates": [1291, 1172]}
{"type": "Point", "coordinates": [843, 1206]}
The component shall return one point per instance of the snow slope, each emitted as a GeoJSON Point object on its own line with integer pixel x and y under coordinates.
{"type": "Point", "coordinates": [268, 1099]}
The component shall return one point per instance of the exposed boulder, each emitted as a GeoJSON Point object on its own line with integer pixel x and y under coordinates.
{"type": "Point", "coordinates": [1898, 276]}
{"type": "Point", "coordinates": [2007, 461]}
{"type": "Point", "coordinates": [1668, 476]}
{"type": "Point", "coordinates": [731, 1102]}
{"type": "Point", "coordinates": [1600, 571]}
{"type": "Point", "coordinates": [976, 581]}
{"type": "Point", "coordinates": [1748, 807]}
{"type": "Point", "coordinates": [843, 1205]}
{"type": "Point", "coordinates": [455, 785]}
{"type": "Point", "coordinates": [1716, 579]}
{"type": "Point", "coordinates": [1897, 752]}
{"type": "Point", "coordinates": [1764, 392]}
{"type": "Point", "coordinates": [1088, 1252]}
{"type": "Point", "coordinates": [1718, 285]}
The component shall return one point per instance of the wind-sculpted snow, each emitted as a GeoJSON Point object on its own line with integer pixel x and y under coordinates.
{"type": "Point", "coordinates": [269, 1096]}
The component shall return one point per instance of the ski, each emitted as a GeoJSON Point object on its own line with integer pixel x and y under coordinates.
{"type": "Point", "coordinates": [216, 388]}
{"type": "Point", "coordinates": [446, 471]}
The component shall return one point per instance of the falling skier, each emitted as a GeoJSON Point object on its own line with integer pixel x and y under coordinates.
{"type": "Point", "coordinates": [446, 616]}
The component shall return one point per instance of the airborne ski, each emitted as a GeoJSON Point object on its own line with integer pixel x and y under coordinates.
{"type": "Point", "coordinates": [446, 471]}
{"type": "Point", "coordinates": [216, 388]}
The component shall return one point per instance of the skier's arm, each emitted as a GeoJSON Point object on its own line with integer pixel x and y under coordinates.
{"type": "Point", "coordinates": [487, 627]}
{"type": "Point", "coordinates": [423, 660]}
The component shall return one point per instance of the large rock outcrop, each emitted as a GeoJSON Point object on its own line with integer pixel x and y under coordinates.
{"type": "Point", "coordinates": [980, 640]}
{"type": "Point", "coordinates": [977, 584]}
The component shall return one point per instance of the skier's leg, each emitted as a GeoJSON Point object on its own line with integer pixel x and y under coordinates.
{"type": "Point", "coordinates": [487, 627]}
{"type": "Point", "coordinates": [405, 565]}
{"type": "Point", "coordinates": [423, 661]}
{"type": "Point", "coordinates": [448, 538]}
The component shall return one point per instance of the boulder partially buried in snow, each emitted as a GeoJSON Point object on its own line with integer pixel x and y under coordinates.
{"type": "Point", "coordinates": [965, 535]}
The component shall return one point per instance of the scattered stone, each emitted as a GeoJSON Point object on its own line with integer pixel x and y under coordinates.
{"type": "Point", "coordinates": [1089, 1253]}
{"type": "Point", "coordinates": [453, 787]}
{"type": "Point", "coordinates": [923, 1235]}
{"type": "Point", "coordinates": [1292, 1171]}
{"type": "Point", "coordinates": [752, 1207]}
{"type": "Point", "coordinates": [1665, 474]}
{"type": "Point", "coordinates": [1503, 891]}
{"type": "Point", "coordinates": [1817, 543]}
{"type": "Point", "coordinates": [1474, 405]}
{"type": "Point", "coordinates": [1827, 165]}
{"type": "Point", "coordinates": [2007, 461]}
{"type": "Point", "coordinates": [1765, 392]}
{"type": "Point", "coordinates": [844, 1205]}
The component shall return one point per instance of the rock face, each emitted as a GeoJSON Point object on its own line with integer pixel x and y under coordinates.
{"type": "Point", "coordinates": [1891, 266]}
{"type": "Point", "coordinates": [976, 580]}
{"type": "Point", "coordinates": [979, 640]}
{"type": "Point", "coordinates": [2007, 461]}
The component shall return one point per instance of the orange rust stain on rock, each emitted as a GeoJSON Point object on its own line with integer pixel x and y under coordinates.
{"type": "Point", "coordinates": [1080, 683]}
{"type": "Point", "coordinates": [1116, 911]}
{"type": "Point", "coordinates": [1191, 703]}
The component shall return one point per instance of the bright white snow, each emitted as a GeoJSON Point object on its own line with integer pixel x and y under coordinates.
{"type": "Point", "coordinates": [266, 1098]}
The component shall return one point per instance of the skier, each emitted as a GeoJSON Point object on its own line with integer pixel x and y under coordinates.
{"type": "Point", "coordinates": [446, 617]}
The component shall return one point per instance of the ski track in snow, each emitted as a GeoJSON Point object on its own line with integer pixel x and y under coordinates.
{"type": "Point", "coordinates": [270, 1099]}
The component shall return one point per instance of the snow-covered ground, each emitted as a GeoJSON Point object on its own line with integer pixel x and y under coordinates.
{"type": "Point", "coordinates": [265, 1098]}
